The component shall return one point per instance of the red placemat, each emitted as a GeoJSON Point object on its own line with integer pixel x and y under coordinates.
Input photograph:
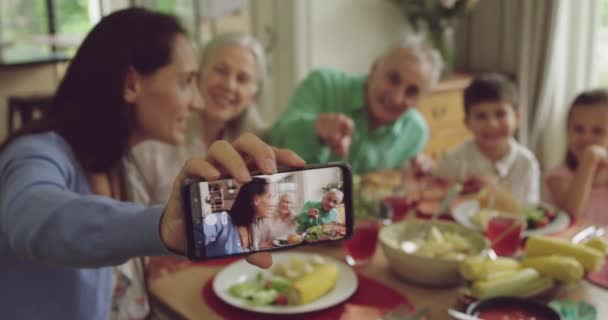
{"type": "Point", "coordinates": [600, 278]}
{"type": "Point", "coordinates": [369, 293]}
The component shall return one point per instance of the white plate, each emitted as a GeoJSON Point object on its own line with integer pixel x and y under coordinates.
{"type": "Point", "coordinates": [277, 242]}
{"type": "Point", "coordinates": [464, 211]}
{"type": "Point", "coordinates": [242, 271]}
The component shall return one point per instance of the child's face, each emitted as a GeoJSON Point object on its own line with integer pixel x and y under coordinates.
{"type": "Point", "coordinates": [587, 125]}
{"type": "Point", "coordinates": [492, 123]}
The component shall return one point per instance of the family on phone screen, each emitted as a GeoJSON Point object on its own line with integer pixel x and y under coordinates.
{"type": "Point", "coordinates": [251, 224]}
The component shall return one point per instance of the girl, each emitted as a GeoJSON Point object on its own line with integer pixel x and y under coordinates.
{"type": "Point", "coordinates": [580, 185]}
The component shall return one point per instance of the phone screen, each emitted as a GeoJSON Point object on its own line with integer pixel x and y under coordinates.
{"type": "Point", "coordinates": [276, 211]}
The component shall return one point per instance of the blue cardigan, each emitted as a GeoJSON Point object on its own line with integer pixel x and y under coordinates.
{"type": "Point", "coordinates": [57, 239]}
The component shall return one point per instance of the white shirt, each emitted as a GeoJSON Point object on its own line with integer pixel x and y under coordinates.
{"type": "Point", "coordinates": [518, 171]}
{"type": "Point", "coordinates": [280, 227]}
{"type": "Point", "coordinates": [156, 164]}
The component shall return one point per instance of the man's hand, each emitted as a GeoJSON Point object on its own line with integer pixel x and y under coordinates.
{"type": "Point", "coordinates": [421, 165]}
{"type": "Point", "coordinates": [336, 130]}
{"type": "Point", "coordinates": [313, 213]}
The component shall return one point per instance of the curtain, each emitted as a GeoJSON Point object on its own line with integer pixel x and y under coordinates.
{"type": "Point", "coordinates": [570, 71]}
{"type": "Point", "coordinates": [547, 47]}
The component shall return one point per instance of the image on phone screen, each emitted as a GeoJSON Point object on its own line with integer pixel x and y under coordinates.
{"type": "Point", "coordinates": [271, 211]}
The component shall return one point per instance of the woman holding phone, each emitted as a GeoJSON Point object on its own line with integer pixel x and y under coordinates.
{"type": "Point", "coordinates": [62, 221]}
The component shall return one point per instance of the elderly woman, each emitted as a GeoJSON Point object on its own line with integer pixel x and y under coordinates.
{"type": "Point", "coordinates": [233, 70]}
{"type": "Point", "coordinates": [317, 213]}
{"type": "Point", "coordinates": [369, 121]}
{"type": "Point", "coordinates": [283, 222]}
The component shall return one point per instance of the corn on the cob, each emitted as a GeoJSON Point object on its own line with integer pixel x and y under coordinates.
{"type": "Point", "coordinates": [313, 285]}
{"type": "Point", "coordinates": [500, 275]}
{"type": "Point", "coordinates": [524, 282]}
{"type": "Point", "coordinates": [598, 243]}
{"type": "Point", "coordinates": [590, 258]}
{"type": "Point", "coordinates": [477, 268]}
{"type": "Point", "coordinates": [562, 268]}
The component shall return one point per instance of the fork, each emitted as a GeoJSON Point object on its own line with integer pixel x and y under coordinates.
{"type": "Point", "coordinates": [402, 312]}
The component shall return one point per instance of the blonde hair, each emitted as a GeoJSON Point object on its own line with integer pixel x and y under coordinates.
{"type": "Point", "coordinates": [250, 120]}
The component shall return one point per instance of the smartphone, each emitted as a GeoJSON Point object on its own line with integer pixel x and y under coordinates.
{"type": "Point", "coordinates": [291, 208]}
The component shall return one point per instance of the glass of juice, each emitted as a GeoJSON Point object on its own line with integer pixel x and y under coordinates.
{"type": "Point", "coordinates": [361, 247]}
{"type": "Point", "coordinates": [504, 232]}
{"type": "Point", "coordinates": [400, 206]}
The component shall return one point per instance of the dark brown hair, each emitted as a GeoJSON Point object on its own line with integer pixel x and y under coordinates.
{"type": "Point", "coordinates": [242, 211]}
{"type": "Point", "coordinates": [489, 87]}
{"type": "Point", "coordinates": [88, 109]}
{"type": "Point", "coordinates": [589, 98]}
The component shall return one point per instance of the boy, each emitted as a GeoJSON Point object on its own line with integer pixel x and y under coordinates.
{"type": "Point", "coordinates": [493, 155]}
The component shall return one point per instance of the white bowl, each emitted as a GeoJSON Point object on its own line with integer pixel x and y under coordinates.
{"type": "Point", "coordinates": [435, 272]}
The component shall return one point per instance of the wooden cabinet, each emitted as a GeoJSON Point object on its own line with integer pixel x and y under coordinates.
{"type": "Point", "coordinates": [444, 112]}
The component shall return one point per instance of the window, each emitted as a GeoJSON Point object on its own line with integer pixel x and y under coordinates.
{"type": "Point", "coordinates": [183, 9]}
{"type": "Point", "coordinates": [41, 30]}
{"type": "Point", "coordinates": [33, 30]}
{"type": "Point", "coordinates": [602, 46]}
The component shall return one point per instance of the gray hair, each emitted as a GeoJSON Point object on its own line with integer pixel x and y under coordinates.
{"type": "Point", "coordinates": [338, 194]}
{"type": "Point", "coordinates": [250, 120]}
{"type": "Point", "coordinates": [425, 54]}
{"type": "Point", "coordinates": [287, 194]}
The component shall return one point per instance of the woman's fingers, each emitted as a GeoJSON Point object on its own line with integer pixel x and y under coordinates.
{"type": "Point", "coordinates": [221, 153]}
{"type": "Point", "coordinates": [288, 158]}
{"type": "Point", "coordinates": [260, 259]}
{"type": "Point", "coordinates": [196, 168]}
{"type": "Point", "coordinates": [262, 154]}
{"type": "Point", "coordinates": [172, 223]}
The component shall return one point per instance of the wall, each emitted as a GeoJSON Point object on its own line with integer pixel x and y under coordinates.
{"type": "Point", "coordinates": [25, 81]}
{"type": "Point", "coordinates": [314, 181]}
{"type": "Point", "coordinates": [307, 34]}
{"type": "Point", "coordinates": [350, 34]}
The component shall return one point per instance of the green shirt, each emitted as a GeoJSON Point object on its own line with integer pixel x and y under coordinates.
{"type": "Point", "coordinates": [327, 90]}
{"type": "Point", "coordinates": [305, 221]}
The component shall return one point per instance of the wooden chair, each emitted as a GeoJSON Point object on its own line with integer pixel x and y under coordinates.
{"type": "Point", "coordinates": [25, 108]}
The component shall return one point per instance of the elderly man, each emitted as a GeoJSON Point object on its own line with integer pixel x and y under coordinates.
{"type": "Point", "coordinates": [369, 121]}
{"type": "Point", "coordinates": [317, 213]}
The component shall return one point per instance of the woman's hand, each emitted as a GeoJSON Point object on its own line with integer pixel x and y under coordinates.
{"type": "Point", "coordinates": [233, 160]}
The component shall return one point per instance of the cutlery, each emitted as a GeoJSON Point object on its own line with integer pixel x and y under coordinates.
{"type": "Point", "coordinates": [461, 315]}
{"type": "Point", "coordinates": [452, 193]}
{"type": "Point", "coordinates": [402, 313]}
{"type": "Point", "coordinates": [587, 232]}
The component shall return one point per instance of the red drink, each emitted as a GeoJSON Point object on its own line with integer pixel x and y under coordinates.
{"type": "Point", "coordinates": [362, 246]}
{"type": "Point", "coordinates": [400, 206]}
{"type": "Point", "coordinates": [509, 242]}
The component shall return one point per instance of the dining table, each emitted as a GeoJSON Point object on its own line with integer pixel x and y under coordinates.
{"type": "Point", "coordinates": [180, 290]}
